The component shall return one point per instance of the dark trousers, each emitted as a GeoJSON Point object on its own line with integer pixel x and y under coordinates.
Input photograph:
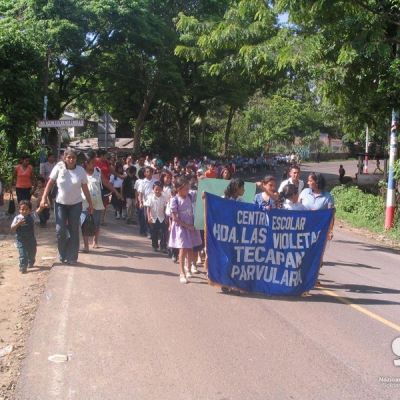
{"type": "Point", "coordinates": [159, 233]}
{"type": "Point", "coordinates": [142, 221]}
{"type": "Point", "coordinates": [116, 202]}
{"type": "Point", "coordinates": [67, 230]}
{"type": "Point", "coordinates": [23, 194]}
{"type": "Point", "coordinates": [27, 253]}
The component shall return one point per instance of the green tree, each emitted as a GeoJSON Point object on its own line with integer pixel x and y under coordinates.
{"type": "Point", "coordinates": [20, 102]}
{"type": "Point", "coordinates": [351, 50]}
{"type": "Point", "coordinates": [135, 67]}
{"type": "Point", "coordinates": [61, 38]}
{"type": "Point", "coordinates": [222, 48]}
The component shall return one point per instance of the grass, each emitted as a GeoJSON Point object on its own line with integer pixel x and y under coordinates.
{"type": "Point", "coordinates": [364, 210]}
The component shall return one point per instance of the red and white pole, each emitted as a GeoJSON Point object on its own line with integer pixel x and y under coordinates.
{"type": "Point", "coordinates": [366, 151]}
{"type": "Point", "coordinates": [391, 189]}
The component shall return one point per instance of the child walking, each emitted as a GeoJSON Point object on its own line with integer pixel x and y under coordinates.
{"type": "Point", "coordinates": [116, 180]}
{"type": "Point", "coordinates": [145, 189]}
{"type": "Point", "coordinates": [155, 205]}
{"type": "Point", "coordinates": [183, 235]}
{"type": "Point", "coordinates": [128, 194]}
{"type": "Point", "coordinates": [23, 225]}
{"type": "Point", "coordinates": [140, 209]}
{"type": "Point", "coordinates": [44, 215]}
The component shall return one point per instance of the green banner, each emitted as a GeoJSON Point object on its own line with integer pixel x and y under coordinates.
{"type": "Point", "coordinates": [217, 187]}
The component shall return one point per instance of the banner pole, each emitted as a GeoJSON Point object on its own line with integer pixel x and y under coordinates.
{"type": "Point", "coordinates": [204, 199]}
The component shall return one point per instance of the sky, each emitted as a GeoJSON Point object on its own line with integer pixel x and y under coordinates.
{"type": "Point", "coordinates": [283, 18]}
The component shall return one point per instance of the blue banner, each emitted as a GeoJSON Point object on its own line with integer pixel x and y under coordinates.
{"type": "Point", "coordinates": [276, 252]}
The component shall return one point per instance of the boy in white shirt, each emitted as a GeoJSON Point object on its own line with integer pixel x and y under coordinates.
{"type": "Point", "coordinates": [294, 179]}
{"type": "Point", "coordinates": [155, 204]}
{"type": "Point", "coordinates": [144, 191]}
{"type": "Point", "coordinates": [139, 210]}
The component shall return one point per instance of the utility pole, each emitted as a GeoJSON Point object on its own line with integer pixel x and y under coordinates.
{"type": "Point", "coordinates": [43, 155]}
{"type": "Point", "coordinates": [366, 150]}
{"type": "Point", "coordinates": [391, 187]}
{"type": "Point", "coordinates": [46, 84]}
{"type": "Point", "coordinates": [106, 130]}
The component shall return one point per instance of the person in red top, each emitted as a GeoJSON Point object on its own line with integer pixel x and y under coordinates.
{"type": "Point", "coordinates": [23, 176]}
{"type": "Point", "coordinates": [212, 171]}
{"type": "Point", "coordinates": [103, 164]}
{"type": "Point", "coordinates": [106, 170]}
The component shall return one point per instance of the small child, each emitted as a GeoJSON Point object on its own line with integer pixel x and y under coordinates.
{"type": "Point", "coordinates": [44, 215]}
{"type": "Point", "coordinates": [144, 190]}
{"type": "Point", "coordinates": [155, 206]}
{"type": "Point", "coordinates": [140, 210]}
{"type": "Point", "coordinates": [183, 235]}
{"type": "Point", "coordinates": [116, 180]}
{"type": "Point", "coordinates": [128, 194]}
{"type": "Point", "coordinates": [290, 196]}
{"type": "Point", "coordinates": [23, 225]}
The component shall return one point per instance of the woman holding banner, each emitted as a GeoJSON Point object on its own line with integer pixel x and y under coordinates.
{"type": "Point", "coordinates": [268, 198]}
{"type": "Point", "coordinates": [315, 197]}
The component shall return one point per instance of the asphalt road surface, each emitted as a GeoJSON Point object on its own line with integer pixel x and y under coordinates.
{"type": "Point", "coordinates": [127, 329]}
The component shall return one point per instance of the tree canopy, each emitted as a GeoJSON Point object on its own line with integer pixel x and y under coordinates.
{"type": "Point", "coordinates": [201, 75]}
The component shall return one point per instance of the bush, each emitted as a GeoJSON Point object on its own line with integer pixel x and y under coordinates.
{"type": "Point", "coordinates": [353, 204]}
{"type": "Point", "coordinates": [363, 210]}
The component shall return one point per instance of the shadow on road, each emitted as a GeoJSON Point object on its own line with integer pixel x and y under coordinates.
{"type": "Point", "coordinates": [125, 269]}
{"type": "Point", "coordinates": [370, 247]}
{"type": "Point", "coordinates": [318, 297]}
{"type": "Point", "coordinates": [354, 288]}
{"type": "Point", "coordinates": [355, 265]}
{"type": "Point", "coordinates": [128, 254]}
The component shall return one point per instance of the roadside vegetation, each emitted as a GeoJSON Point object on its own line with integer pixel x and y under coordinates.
{"type": "Point", "coordinates": [364, 210]}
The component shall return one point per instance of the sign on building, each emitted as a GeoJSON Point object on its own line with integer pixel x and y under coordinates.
{"type": "Point", "coordinates": [61, 123]}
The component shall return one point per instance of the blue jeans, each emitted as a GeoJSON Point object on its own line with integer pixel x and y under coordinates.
{"type": "Point", "coordinates": [67, 230]}
{"type": "Point", "coordinates": [27, 253]}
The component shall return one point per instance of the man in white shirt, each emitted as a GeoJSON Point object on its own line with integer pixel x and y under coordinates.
{"type": "Point", "coordinates": [294, 178]}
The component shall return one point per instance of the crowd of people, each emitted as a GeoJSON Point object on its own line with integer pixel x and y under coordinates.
{"type": "Point", "coordinates": [156, 196]}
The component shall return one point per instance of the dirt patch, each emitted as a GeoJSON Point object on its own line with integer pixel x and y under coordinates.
{"type": "Point", "coordinates": [20, 296]}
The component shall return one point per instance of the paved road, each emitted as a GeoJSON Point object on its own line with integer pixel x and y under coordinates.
{"type": "Point", "coordinates": [132, 331]}
{"type": "Point", "coordinates": [330, 170]}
